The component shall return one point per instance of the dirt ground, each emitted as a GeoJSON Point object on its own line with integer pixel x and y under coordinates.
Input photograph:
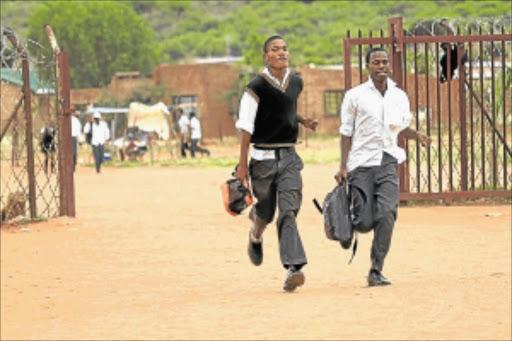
{"type": "Point", "coordinates": [153, 255]}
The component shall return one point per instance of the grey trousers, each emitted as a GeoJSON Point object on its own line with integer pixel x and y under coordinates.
{"type": "Point", "coordinates": [74, 150]}
{"type": "Point", "coordinates": [98, 152]}
{"type": "Point", "coordinates": [278, 183]}
{"type": "Point", "coordinates": [375, 195]}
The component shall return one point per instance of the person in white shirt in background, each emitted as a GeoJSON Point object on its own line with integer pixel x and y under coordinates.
{"type": "Point", "coordinates": [76, 136]}
{"type": "Point", "coordinates": [100, 135]}
{"type": "Point", "coordinates": [183, 125]}
{"type": "Point", "coordinates": [195, 136]}
{"type": "Point", "coordinates": [373, 114]}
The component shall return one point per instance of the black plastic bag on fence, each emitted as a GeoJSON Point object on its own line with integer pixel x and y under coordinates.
{"type": "Point", "coordinates": [337, 216]}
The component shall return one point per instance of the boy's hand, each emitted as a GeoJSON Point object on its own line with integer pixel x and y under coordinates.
{"type": "Point", "coordinates": [310, 123]}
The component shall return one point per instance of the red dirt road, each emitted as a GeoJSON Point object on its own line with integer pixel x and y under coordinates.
{"type": "Point", "coordinates": [153, 255]}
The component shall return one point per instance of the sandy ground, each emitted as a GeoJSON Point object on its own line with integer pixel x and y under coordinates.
{"type": "Point", "coordinates": [153, 255]}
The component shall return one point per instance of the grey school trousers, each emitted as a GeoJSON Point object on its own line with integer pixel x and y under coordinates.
{"type": "Point", "coordinates": [98, 152]}
{"type": "Point", "coordinates": [375, 195]}
{"type": "Point", "coordinates": [278, 183]}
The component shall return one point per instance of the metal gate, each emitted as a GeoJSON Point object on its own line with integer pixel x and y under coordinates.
{"type": "Point", "coordinates": [459, 86]}
{"type": "Point", "coordinates": [36, 181]}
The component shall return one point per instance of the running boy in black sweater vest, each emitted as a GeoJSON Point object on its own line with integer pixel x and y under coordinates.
{"type": "Point", "coordinates": [268, 119]}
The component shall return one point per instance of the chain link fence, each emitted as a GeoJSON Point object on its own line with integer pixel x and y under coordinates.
{"type": "Point", "coordinates": [29, 146]}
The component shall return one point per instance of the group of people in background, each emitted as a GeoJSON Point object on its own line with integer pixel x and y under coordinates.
{"type": "Point", "coordinates": [190, 134]}
{"type": "Point", "coordinates": [97, 134]}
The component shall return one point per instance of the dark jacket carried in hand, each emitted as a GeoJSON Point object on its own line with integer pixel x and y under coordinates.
{"type": "Point", "coordinates": [337, 216]}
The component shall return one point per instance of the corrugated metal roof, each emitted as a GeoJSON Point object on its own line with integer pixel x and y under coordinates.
{"type": "Point", "coordinates": [14, 76]}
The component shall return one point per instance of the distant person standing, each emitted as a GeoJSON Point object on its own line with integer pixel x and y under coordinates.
{"type": "Point", "coordinates": [76, 136]}
{"type": "Point", "coordinates": [195, 136]}
{"type": "Point", "coordinates": [47, 142]}
{"type": "Point", "coordinates": [100, 135]}
{"type": "Point", "coordinates": [183, 126]}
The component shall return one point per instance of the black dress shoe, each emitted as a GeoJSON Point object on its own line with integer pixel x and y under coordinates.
{"type": "Point", "coordinates": [376, 278]}
{"type": "Point", "coordinates": [255, 251]}
{"type": "Point", "coordinates": [294, 279]}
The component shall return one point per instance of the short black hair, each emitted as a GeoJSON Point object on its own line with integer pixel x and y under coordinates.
{"type": "Point", "coordinates": [269, 40]}
{"type": "Point", "coordinates": [372, 50]}
{"type": "Point", "coordinates": [192, 114]}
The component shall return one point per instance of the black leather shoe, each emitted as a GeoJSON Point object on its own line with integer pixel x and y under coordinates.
{"type": "Point", "coordinates": [376, 278]}
{"type": "Point", "coordinates": [255, 251]}
{"type": "Point", "coordinates": [294, 279]}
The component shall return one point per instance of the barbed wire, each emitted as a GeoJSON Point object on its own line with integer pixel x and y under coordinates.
{"type": "Point", "coordinates": [487, 24]}
{"type": "Point", "coordinates": [11, 56]}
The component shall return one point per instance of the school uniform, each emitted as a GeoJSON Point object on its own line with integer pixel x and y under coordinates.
{"type": "Point", "coordinates": [183, 124]}
{"type": "Point", "coordinates": [76, 137]}
{"type": "Point", "coordinates": [100, 134]}
{"type": "Point", "coordinates": [373, 121]}
{"type": "Point", "coordinates": [195, 137]}
{"type": "Point", "coordinates": [268, 111]}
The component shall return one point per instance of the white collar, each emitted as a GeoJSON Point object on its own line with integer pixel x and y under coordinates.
{"type": "Point", "coordinates": [266, 71]}
{"type": "Point", "coordinates": [390, 83]}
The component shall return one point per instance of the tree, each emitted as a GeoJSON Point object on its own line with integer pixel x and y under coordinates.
{"type": "Point", "coordinates": [100, 37]}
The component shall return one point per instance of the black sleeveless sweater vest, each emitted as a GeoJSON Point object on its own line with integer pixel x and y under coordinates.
{"type": "Point", "coordinates": [276, 117]}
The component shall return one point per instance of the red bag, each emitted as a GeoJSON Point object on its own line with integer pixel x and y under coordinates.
{"type": "Point", "coordinates": [236, 197]}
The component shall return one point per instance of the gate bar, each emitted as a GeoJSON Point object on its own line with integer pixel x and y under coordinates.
{"type": "Point", "coordinates": [11, 117]}
{"type": "Point", "coordinates": [503, 95]}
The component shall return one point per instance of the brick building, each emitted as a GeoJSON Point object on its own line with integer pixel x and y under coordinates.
{"type": "Point", "coordinates": [204, 84]}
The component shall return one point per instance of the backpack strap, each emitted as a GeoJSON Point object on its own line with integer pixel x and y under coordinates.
{"type": "Point", "coordinates": [354, 247]}
{"type": "Point", "coordinates": [317, 205]}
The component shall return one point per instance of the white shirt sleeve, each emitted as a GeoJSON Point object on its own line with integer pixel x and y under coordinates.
{"type": "Point", "coordinates": [406, 113]}
{"type": "Point", "coordinates": [247, 113]}
{"type": "Point", "coordinates": [348, 114]}
{"type": "Point", "coordinates": [106, 131]}
{"type": "Point", "coordinates": [79, 131]}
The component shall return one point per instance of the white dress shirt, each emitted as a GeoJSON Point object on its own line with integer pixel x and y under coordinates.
{"type": "Point", "coordinates": [76, 128]}
{"type": "Point", "coordinates": [374, 122]}
{"type": "Point", "coordinates": [183, 123]}
{"type": "Point", "coordinates": [100, 132]}
{"type": "Point", "coordinates": [195, 128]}
{"type": "Point", "coordinates": [247, 115]}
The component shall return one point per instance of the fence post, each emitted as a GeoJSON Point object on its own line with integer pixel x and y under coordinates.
{"type": "Point", "coordinates": [66, 141]}
{"type": "Point", "coordinates": [462, 110]}
{"type": "Point", "coordinates": [29, 137]}
{"type": "Point", "coordinates": [67, 188]}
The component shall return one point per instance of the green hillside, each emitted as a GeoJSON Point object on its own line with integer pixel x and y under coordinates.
{"type": "Point", "coordinates": [313, 29]}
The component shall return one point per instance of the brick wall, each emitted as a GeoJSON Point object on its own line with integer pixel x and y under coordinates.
{"type": "Point", "coordinates": [84, 96]}
{"type": "Point", "coordinates": [311, 101]}
{"type": "Point", "coordinates": [208, 82]}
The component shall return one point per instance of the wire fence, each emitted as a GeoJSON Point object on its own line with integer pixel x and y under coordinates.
{"type": "Point", "coordinates": [29, 163]}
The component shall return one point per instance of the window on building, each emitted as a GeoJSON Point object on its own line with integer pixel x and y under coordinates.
{"type": "Point", "coordinates": [187, 102]}
{"type": "Point", "coordinates": [332, 102]}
